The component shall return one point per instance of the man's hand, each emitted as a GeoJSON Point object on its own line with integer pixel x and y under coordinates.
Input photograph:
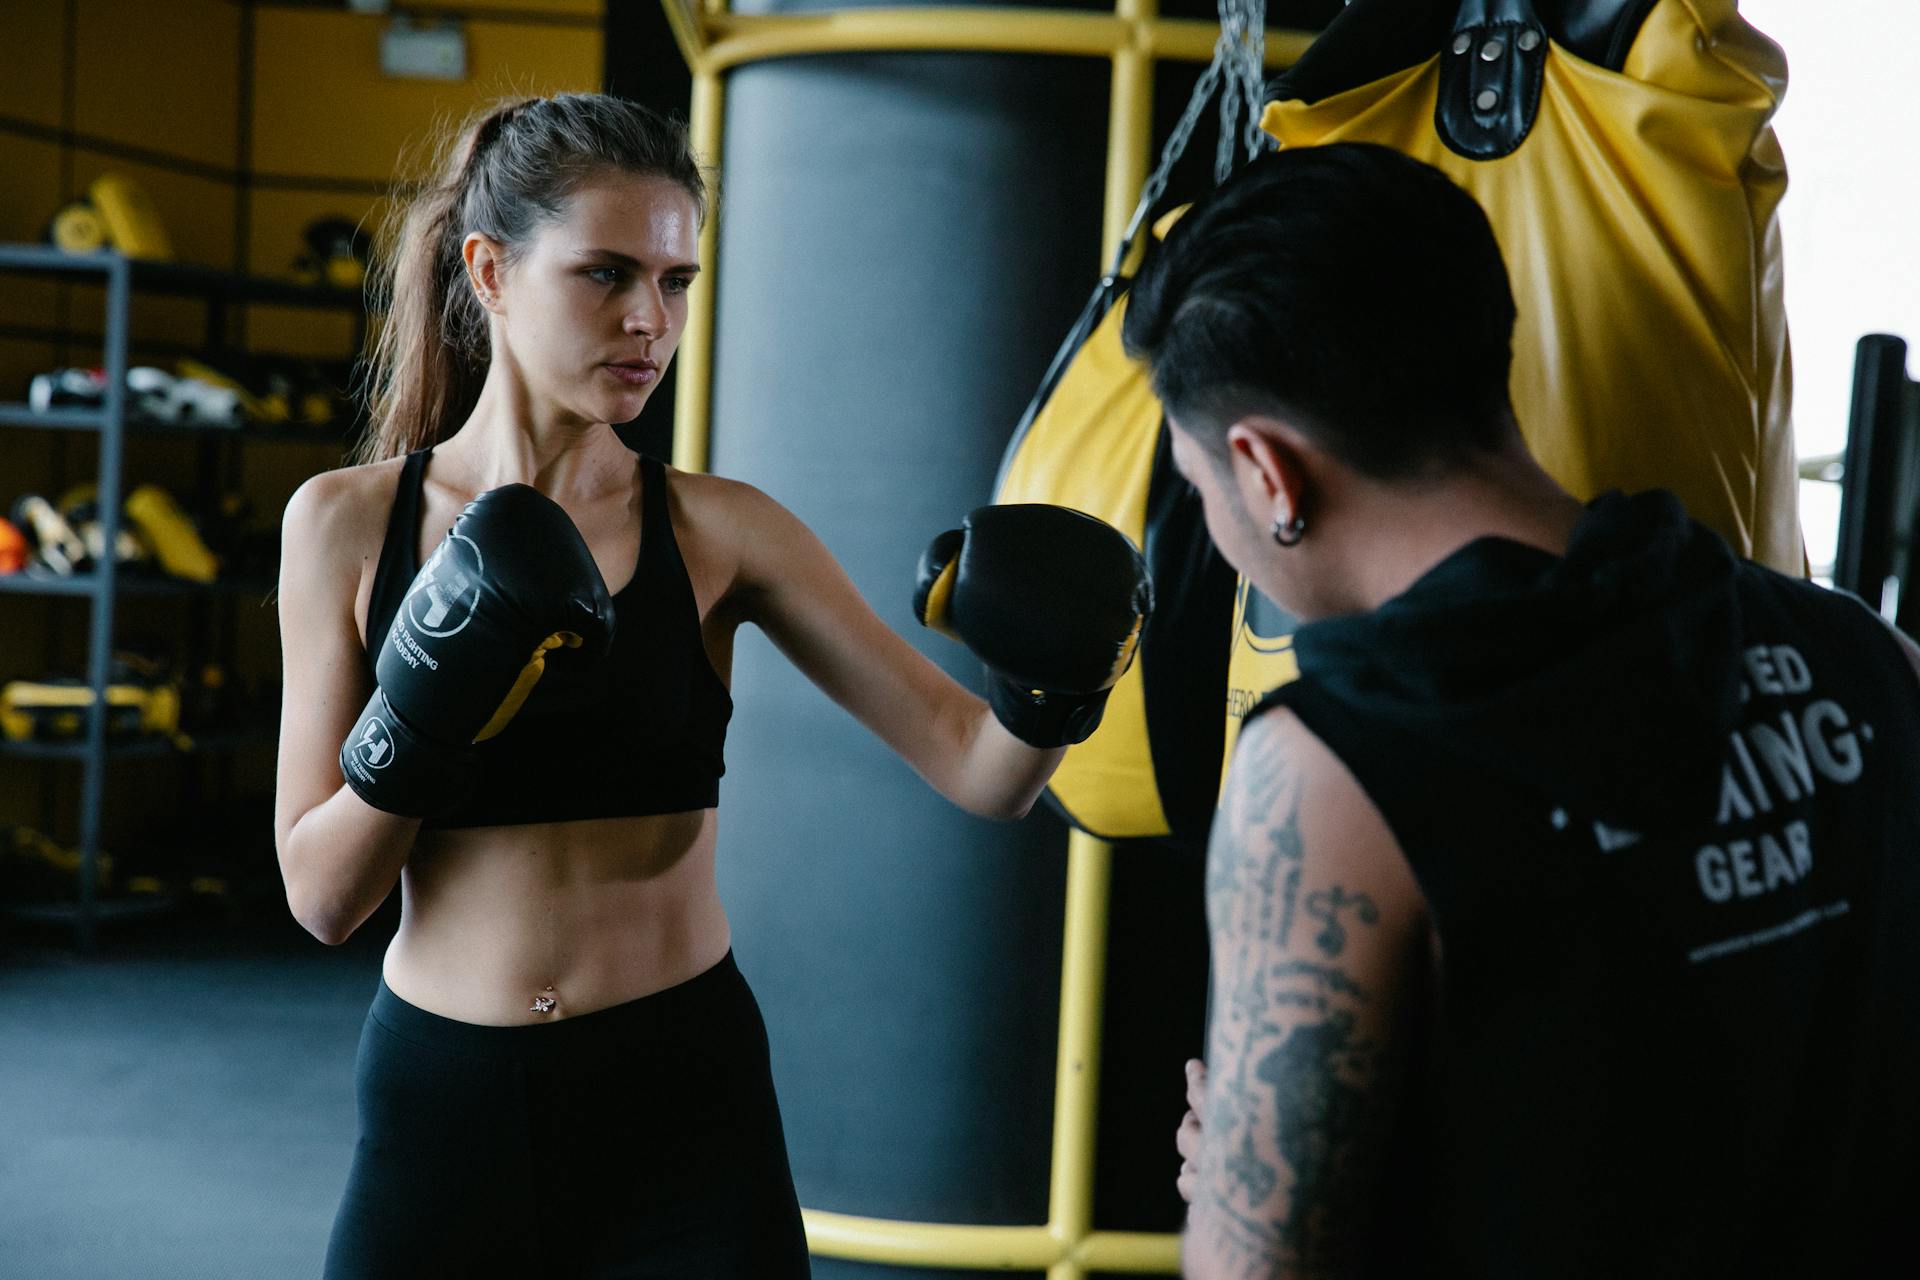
{"type": "Point", "coordinates": [1186, 1139]}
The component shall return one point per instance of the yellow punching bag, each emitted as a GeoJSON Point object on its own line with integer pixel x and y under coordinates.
{"type": "Point", "coordinates": [1094, 440]}
{"type": "Point", "coordinates": [1625, 161]}
{"type": "Point", "coordinates": [1624, 156]}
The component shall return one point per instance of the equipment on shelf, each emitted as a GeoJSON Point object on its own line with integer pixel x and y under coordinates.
{"type": "Point", "coordinates": [336, 255]}
{"type": "Point", "coordinates": [34, 867]}
{"type": "Point", "coordinates": [268, 390]}
{"type": "Point", "coordinates": [80, 508]}
{"type": "Point", "coordinates": [151, 393]}
{"type": "Point", "coordinates": [116, 213]}
{"type": "Point", "coordinates": [198, 704]}
{"type": "Point", "coordinates": [15, 550]}
{"type": "Point", "coordinates": [55, 710]}
{"type": "Point", "coordinates": [68, 389]}
{"type": "Point", "coordinates": [55, 549]}
{"type": "Point", "coordinates": [77, 228]}
{"type": "Point", "coordinates": [271, 390]}
{"type": "Point", "coordinates": [181, 551]}
{"type": "Point", "coordinates": [69, 539]}
{"type": "Point", "coordinates": [146, 697]}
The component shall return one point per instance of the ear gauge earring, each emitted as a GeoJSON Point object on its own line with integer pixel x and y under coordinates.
{"type": "Point", "coordinates": [1290, 533]}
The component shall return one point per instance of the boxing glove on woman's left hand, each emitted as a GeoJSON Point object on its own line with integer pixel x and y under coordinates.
{"type": "Point", "coordinates": [511, 581]}
{"type": "Point", "coordinates": [1052, 600]}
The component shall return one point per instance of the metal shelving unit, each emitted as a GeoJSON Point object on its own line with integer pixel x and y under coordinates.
{"type": "Point", "coordinates": [123, 279]}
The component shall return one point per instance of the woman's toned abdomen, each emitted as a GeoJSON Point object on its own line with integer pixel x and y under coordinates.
{"type": "Point", "coordinates": [505, 926]}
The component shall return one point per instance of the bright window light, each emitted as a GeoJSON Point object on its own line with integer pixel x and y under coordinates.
{"type": "Point", "coordinates": [1850, 221]}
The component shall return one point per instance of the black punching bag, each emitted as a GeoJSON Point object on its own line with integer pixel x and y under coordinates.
{"type": "Point", "coordinates": [903, 240]}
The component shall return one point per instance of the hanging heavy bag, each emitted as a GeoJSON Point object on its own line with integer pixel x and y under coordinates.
{"type": "Point", "coordinates": [1094, 439]}
{"type": "Point", "coordinates": [1623, 154]}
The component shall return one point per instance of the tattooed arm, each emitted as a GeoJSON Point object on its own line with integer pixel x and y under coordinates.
{"type": "Point", "coordinates": [1316, 924]}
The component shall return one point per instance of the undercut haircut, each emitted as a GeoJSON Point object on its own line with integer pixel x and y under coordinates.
{"type": "Point", "coordinates": [1347, 289]}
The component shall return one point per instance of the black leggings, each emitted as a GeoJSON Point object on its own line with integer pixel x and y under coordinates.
{"type": "Point", "coordinates": [637, 1141]}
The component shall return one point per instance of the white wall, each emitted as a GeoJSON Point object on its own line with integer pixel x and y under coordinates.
{"type": "Point", "coordinates": [1851, 217]}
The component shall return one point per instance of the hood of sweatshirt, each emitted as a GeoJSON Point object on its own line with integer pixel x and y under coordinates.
{"type": "Point", "coordinates": [1607, 678]}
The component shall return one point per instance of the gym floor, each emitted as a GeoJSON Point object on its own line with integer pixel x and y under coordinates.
{"type": "Point", "coordinates": [180, 1105]}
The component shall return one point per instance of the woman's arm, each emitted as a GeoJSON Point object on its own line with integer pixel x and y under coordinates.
{"type": "Point", "coordinates": [339, 856]}
{"type": "Point", "coordinates": [790, 585]}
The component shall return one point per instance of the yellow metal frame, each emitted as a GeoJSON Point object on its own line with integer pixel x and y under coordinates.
{"type": "Point", "coordinates": [1133, 38]}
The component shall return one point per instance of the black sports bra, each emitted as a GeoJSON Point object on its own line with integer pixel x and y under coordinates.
{"type": "Point", "coordinates": [642, 732]}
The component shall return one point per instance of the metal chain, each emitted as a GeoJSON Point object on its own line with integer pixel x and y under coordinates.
{"type": "Point", "coordinates": [1242, 53]}
{"type": "Point", "coordinates": [1156, 184]}
{"type": "Point", "coordinates": [1253, 80]}
{"type": "Point", "coordinates": [1237, 72]}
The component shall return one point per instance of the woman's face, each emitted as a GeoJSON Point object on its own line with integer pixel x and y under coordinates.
{"type": "Point", "coordinates": [593, 309]}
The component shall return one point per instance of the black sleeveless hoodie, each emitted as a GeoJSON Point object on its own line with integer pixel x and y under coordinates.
{"type": "Point", "coordinates": [1664, 806]}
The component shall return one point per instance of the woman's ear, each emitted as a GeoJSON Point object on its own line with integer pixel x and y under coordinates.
{"type": "Point", "coordinates": [484, 262]}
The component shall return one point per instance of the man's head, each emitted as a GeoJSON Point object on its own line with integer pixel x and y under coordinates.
{"type": "Point", "coordinates": [1332, 320]}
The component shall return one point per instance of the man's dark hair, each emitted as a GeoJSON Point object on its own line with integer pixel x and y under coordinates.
{"type": "Point", "coordinates": [1347, 288]}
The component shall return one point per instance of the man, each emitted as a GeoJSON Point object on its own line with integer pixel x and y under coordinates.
{"type": "Point", "coordinates": [1566, 910]}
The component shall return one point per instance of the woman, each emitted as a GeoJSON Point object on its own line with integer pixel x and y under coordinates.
{"type": "Point", "coordinates": [563, 1072]}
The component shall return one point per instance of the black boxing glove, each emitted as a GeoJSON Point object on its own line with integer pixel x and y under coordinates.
{"type": "Point", "coordinates": [1052, 600]}
{"type": "Point", "coordinates": [512, 581]}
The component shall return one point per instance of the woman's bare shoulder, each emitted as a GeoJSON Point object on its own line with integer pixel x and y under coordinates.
{"type": "Point", "coordinates": [716, 502]}
{"type": "Point", "coordinates": [340, 516]}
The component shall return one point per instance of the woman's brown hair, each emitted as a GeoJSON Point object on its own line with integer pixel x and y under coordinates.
{"type": "Point", "coordinates": [507, 170]}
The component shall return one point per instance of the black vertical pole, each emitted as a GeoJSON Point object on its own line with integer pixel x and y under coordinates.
{"type": "Point", "coordinates": [1864, 557]}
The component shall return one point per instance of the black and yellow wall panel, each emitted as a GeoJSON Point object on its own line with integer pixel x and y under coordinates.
{"type": "Point", "coordinates": [160, 76]}
{"type": "Point", "coordinates": [31, 88]}
{"type": "Point", "coordinates": [322, 108]}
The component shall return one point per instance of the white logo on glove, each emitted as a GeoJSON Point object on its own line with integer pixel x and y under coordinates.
{"type": "Point", "coordinates": [442, 598]}
{"type": "Point", "coordinates": [375, 747]}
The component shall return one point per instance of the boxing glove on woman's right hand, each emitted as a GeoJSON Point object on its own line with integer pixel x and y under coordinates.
{"type": "Point", "coordinates": [512, 581]}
